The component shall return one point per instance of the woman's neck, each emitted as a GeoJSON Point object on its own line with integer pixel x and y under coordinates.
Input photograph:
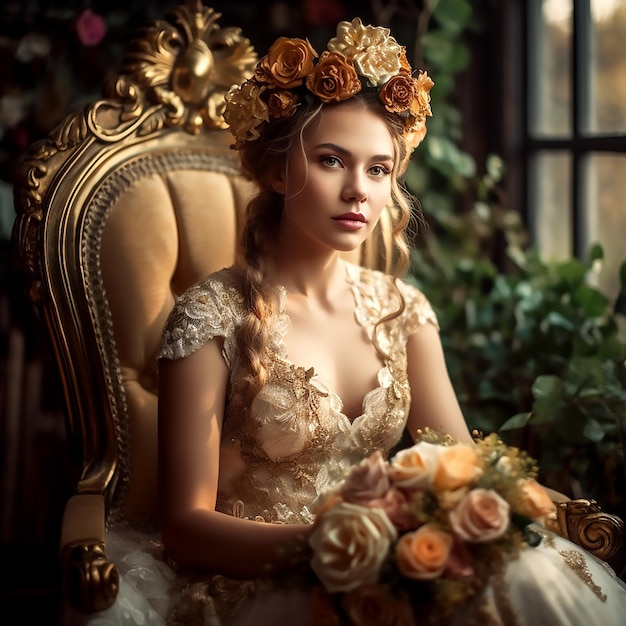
{"type": "Point", "coordinates": [317, 278]}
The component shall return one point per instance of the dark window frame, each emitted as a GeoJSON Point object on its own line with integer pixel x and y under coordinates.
{"type": "Point", "coordinates": [514, 139]}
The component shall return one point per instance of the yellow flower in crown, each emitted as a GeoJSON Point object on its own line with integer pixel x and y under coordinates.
{"type": "Point", "coordinates": [375, 53]}
{"type": "Point", "coordinates": [245, 110]}
{"type": "Point", "coordinates": [415, 122]}
{"type": "Point", "coordinates": [421, 105]}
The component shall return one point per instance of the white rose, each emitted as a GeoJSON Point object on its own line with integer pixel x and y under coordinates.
{"type": "Point", "coordinates": [350, 543]}
{"type": "Point", "coordinates": [415, 466]}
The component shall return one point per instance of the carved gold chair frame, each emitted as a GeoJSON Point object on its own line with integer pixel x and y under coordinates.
{"type": "Point", "coordinates": [158, 129]}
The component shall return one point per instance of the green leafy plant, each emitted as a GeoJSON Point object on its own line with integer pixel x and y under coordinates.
{"type": "Point", "coordinates": [534, 349]}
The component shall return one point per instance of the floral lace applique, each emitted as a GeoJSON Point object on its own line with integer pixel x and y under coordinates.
{"type": "Point", "coordinates": [295, 441]}
{"type": "Point", "coordinates": [578, 564]}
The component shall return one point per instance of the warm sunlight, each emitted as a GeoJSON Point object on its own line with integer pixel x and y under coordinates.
{"type": "Point", "coordinates": [557, 11]}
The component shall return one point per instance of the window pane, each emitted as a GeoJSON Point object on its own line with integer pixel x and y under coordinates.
{"type": "Point", "coordinates": [605, 216]}
{"type": "Point", "coordinates": [608, 67]}
{"type": "Point", "coordinates": [550, 61]}
{"type": "Point", "coordinates": [551, 226]}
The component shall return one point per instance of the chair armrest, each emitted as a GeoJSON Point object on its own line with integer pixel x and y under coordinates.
{"type": "Point", "coordinates": [90, 579]}
{"type": "Point", "coordinates": [584, 523]}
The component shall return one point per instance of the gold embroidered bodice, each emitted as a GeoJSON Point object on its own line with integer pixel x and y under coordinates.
{"type": "Point", "coordinates": [295, 441]}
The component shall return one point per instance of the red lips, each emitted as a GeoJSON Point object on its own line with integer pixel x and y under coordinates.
{"type": "Point", "coordinates": [351, 217]}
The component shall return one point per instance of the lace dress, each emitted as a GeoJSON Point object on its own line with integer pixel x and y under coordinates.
{"type": "Point", "coordinates": [293, 444]}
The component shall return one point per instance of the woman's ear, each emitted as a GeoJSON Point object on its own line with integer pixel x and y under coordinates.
{"type": "Point", "coordinates": [277, 180]}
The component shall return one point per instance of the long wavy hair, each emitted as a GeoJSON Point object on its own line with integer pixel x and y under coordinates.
{"type": "Point", "coordinates": [256, 253]}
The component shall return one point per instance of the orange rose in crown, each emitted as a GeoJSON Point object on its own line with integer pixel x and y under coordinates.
{"type": "Point", "coordinates": [424, 530]}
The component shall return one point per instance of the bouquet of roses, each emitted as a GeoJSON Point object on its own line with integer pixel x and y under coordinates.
{"type": "Point", "coordinates": [423, 532]}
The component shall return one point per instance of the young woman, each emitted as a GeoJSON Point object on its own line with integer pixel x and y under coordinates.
{"type": "Point", "coordinates": [281, 372]}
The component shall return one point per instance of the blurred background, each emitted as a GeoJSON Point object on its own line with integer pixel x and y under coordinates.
{"type": "Point", "coordinates": [522, 179]}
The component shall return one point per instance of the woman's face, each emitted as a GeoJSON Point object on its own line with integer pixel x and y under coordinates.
{"type": "Point", "coordinates": [337, 186]}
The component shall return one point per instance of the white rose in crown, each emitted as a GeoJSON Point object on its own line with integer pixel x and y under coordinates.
{"type": "Point", "coordinates": [350, 543]}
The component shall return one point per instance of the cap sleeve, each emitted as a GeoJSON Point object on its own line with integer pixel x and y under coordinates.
{"type": "Point", "coordinates": [203, 312]}
{"type": "Point", "coordinates": [418, 310]}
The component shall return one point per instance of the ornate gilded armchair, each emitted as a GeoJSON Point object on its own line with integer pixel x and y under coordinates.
{"type": "Point", "coordinates": [125, 205]}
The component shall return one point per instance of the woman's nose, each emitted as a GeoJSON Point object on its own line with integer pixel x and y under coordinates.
{"type": "Point", "coordinates": [355, 189]}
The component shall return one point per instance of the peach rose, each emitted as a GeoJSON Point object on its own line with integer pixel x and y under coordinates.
{"type": "Point", "coordinates": [414, 467]}
{"type": "Point", "coordinates": [424, 554]}
{"type": "Point", "coordinates": [536, 499]}
{"type": "Point", "coordinates": [289, 60]}
{"type": "Point", "coordinates": [458, 466]}
{"type": "Point", "coordinates": [398, 93]}
{"type": "Point", "coordinates": [481, 516]}
{"type": "Point", "coordinates": [334, 78]}
{"type": "Point", "coordinates": [373, 605]}
{"type": "Point", "coordinates": [350, 543]}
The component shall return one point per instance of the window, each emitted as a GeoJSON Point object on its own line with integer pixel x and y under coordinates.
{"type": "Point", "coordinates": [572, 144]}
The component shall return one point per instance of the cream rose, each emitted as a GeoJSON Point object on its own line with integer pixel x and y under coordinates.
{"type": "Point", "coordinates": [375, 53]}
{"type": "Point", "coordinates": [536, 499]}
{"type": "Point", "coordinates": [414, 467]}
{"type": "Point", "coordinates": [424, 554]}
{"type": "Point", "coordinates": [350, 543]}
{"type": "Point", "coordinates": [458, 466]}
{"type": "Point", "coordinates": [482, 515]}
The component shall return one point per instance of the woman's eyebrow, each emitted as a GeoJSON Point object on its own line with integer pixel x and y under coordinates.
{"type": "Point", "coordinates": [335, 148]}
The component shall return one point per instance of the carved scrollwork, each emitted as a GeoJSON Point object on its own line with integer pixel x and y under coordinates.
{"type": "Point", "coordinates": [176, 74]}
{"type": "Point", "coordinates": [584, 523]}
{"type": "Point", "coordinates": [91, 579]}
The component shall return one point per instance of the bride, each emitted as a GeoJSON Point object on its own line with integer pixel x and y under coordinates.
{"type": "Point", "coordinates": [282, 372]}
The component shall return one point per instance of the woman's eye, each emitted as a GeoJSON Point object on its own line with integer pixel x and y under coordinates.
{"type": "Point", "coordinates": [331, 161]}
{"type": "Point", "coordinates": [379, 170]}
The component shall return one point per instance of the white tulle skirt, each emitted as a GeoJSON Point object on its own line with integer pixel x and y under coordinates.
{"type": "Point", "coordinates": [553, 584]}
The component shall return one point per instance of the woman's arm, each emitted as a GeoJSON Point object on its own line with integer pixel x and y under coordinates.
{"type": "Point", "coordinates": [433, 400]}
{"type": "Point", "coordinates": [192, 392]}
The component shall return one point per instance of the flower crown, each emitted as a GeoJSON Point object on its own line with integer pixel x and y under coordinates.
{"type": "Point", "coordinates": [357, 57]}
